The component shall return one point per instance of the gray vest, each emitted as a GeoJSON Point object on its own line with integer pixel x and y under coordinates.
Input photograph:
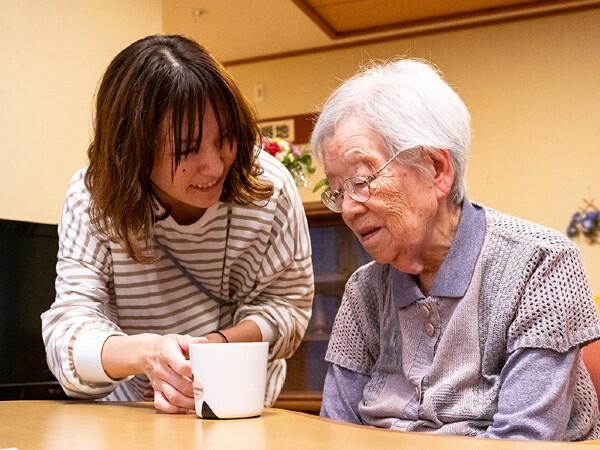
{"type": "Point", "coordinates": [528, 290]}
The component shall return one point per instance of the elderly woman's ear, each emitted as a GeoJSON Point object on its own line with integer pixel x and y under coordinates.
{"type": "Point", "coordinates": [443, 171]}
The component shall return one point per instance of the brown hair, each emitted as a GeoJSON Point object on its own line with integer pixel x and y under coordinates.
{"type": "Point", "coordinates": [152, 77]}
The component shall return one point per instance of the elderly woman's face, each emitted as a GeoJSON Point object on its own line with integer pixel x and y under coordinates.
{"type": "Point", "coordinates": [394, 225]}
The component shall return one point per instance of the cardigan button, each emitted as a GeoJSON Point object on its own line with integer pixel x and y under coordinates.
{"type": "Point", "coordinates": [429, 329]}
{"type": "Point", "coordinates": [425, 311]}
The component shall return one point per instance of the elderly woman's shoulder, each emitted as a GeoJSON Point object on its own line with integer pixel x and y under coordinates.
{"type": "Point", "coordinates": [520, 231]}
{"type": "Point", "coordinates": [364, 291]}
{"type": "Point", "coordinates": [369, 277]}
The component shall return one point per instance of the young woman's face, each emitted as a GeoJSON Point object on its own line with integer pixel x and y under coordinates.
{"type": "Point", "coordinates": [198, 181]}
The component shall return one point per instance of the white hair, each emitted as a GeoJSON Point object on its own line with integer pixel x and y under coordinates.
{"type": "Point", "coordinates": [409, 105]}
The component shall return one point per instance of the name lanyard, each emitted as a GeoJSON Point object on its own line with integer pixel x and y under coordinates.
{"type": "Point", "coordinates": [221, 301]}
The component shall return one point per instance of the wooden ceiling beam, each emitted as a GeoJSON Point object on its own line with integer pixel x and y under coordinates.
{"type": "Point", "coordinates": [538, 9]}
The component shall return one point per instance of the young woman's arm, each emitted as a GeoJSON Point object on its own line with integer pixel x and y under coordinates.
{"type": "Point", "coordinates": [165, 361]}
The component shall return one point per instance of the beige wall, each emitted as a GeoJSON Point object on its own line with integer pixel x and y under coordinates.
{"type": "Point", "coordinates": [533, 89]}
{"type": "Point", "coordinates": [53, 54]}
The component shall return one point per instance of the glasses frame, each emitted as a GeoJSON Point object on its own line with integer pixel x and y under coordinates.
{"type": "Point", "coordinates": [329, 197]}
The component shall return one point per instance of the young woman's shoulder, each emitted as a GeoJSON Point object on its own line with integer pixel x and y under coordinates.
{"type": "Point", "coordinates": [77, 196]}
{"type": "Point", "coordinates": [276, 173]}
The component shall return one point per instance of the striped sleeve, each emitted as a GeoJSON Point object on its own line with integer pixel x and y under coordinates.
{"type": "Point", "coordinates": [83, 286]}
{"type": "Point", "coordinates": [284, 292]}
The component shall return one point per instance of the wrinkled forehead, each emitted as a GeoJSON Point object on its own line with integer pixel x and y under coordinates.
{"type": "Point", "coordinates": [352, 162]}
{"type": "Point", "coordinates": [336, 155]}
{"type": "Point", "coordinates": [353, 142]}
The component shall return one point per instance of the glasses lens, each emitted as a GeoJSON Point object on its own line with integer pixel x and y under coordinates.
{"type": "Point", "coordinates": [358, 189]}
{"type": "Point", "coordinates": [332, 200]}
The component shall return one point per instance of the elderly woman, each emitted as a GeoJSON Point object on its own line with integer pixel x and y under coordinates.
{"type": "Point", "coordinates": [468, 321]}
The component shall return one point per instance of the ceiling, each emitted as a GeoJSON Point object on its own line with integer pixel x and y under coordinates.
{"type": "Point", "coordinates": [240, 31]}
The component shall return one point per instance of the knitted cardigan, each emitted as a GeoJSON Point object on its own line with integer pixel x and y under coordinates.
{"type": "Point", "coordinates": [529, 289]}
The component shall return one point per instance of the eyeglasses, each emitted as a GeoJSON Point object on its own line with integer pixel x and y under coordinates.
{"type": "Point", "coordinates": [357, 188]}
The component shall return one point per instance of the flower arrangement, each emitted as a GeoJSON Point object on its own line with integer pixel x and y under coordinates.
{"type": "Point", "coordinates": [585, 221]}
{"type": "Point", "coordinates": [297, 161]}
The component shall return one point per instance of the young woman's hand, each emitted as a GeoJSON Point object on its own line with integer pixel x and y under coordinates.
{"type": "Point", "coordinates": [163, 359]}
{"type": "Point", "coordinates": [168, 368]}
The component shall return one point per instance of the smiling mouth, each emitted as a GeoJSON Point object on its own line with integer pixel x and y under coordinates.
{"type": "Point", "coordinates": [204, 186]}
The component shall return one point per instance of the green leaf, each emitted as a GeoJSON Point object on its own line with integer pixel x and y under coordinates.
{"type": "Point", "coordinates": [322, 183]}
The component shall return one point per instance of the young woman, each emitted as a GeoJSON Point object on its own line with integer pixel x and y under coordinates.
{"type": "Point", "coordinates": [178, 231]}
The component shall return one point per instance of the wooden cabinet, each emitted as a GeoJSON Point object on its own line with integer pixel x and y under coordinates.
{"type": "Point", "coordinates": [336, 254]}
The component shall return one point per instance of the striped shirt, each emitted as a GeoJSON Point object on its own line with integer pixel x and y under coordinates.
{"type": "Point", "coordinates": [258, 257]}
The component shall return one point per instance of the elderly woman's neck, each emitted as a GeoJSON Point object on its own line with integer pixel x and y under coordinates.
{"type": "Point", "coordinates": [442, 236]}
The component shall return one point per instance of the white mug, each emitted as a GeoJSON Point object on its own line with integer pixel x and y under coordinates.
{"type": "Point", "coordinates": [229, 379]}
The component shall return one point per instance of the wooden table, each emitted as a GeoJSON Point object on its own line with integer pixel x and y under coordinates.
{"type": "Point", "coordinates": [81, 425]}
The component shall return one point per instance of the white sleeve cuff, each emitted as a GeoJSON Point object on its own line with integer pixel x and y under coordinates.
{"type": "Point", "coordinates": [87, 353]}
{"type": "Point", "coordinates": [269, 332]}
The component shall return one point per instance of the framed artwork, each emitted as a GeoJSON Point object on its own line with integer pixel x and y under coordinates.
{"type": "Point", "coordinates": [295, 129]}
